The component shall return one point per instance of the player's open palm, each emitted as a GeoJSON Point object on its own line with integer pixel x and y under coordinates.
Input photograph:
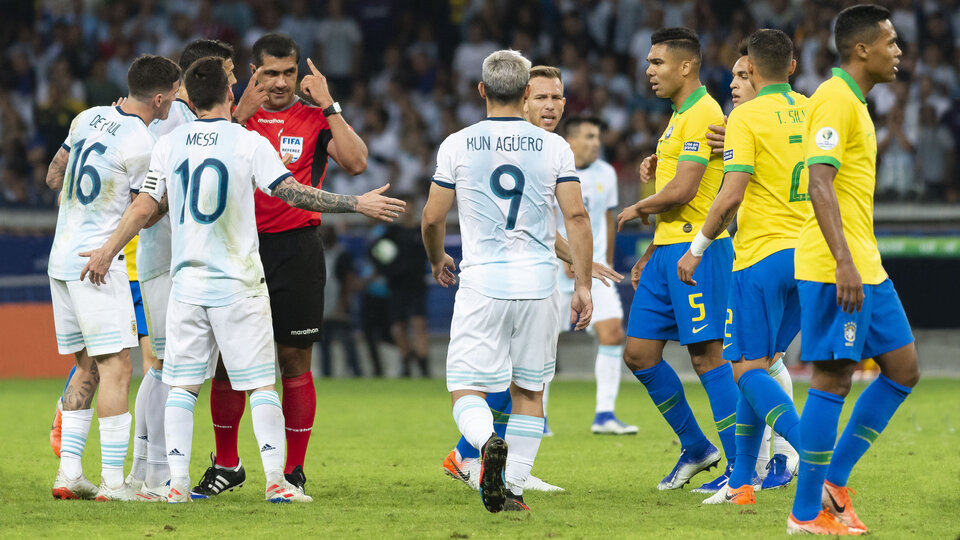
{"type": "Point", "coordinates": [374, 205]}
{"type": "Point", "coordinates": [849, 288]}
{"type": "Point", "coordinates": [97, 267]}
{"type": "Point", "coordinates": [686, 266]}
{"type": "Point", "coordinates": [603, 273]}
{"type": "Point", "coordinates": [629, 214]}
{"type": "Point", "coordinates": [648, 168]}
{"type": "Point", "coordinates": [253, 97]}
{"type": "Point", "coordinates": [443, 271]}
{"type": "Point", "coordinates": [581, 308]}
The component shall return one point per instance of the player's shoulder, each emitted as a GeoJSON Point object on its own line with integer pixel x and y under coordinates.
{"type": "Point", "coordinates": [706, 110]}
{"type": "Point", "coordinates": [604, 167]}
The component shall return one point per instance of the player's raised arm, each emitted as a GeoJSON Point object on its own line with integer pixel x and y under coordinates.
{"type": "Point", "coordinates": [433, 228]}
{"type": "Point", "coordinates": [371, 204]}
{"type": "Point", "coordinates": [677, 192]}
{"type": "Point", "coordinates": [345, 146]}
{"type": "Point", "coordinates": [827, 209]}
{"type": "Point", "coordinates": [577, 222]}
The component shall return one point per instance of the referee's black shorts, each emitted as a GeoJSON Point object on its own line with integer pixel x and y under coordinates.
{"type": "Point", "coordinates": [295, 271]}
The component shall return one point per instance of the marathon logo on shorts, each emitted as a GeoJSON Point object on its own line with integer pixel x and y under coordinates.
{"type": "Point", "coordinates": [728, 154]}
{"type": "Point", "coordinates": [306, 332]}
{"type": "Point", "coordinates": [292, 146]}
{"type": "Point", "coordinates": [850, 333]}
{"type": "Point", "coordinates": [691, 146]}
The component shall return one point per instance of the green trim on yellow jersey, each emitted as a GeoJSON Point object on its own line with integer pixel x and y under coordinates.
{"type": "Point", "coordinates": [691, 100]}
{"type": "Point", "coordinates": [781, 88]}
{"type": "Point", "coordinates": [696, 159]}
{"type": "Point", "coordinates": [839, 72]}
{"type": "Point", "coordinates": [738, 168]}
{"type": "Point", "coordinates": [824, 160]}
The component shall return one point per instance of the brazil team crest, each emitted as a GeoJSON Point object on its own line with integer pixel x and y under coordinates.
{"type": "Point", "coordinates": [669, 131]}
{"type": "Point", "coordinates": [292, 146]}
{"type": "Point", "coordinates": [850, 333]}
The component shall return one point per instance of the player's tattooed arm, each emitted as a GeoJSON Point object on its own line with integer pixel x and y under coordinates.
{"type": "Point", "coordinates": [371, 204]}
{"type": "Point", "coordinates": [57, 169]}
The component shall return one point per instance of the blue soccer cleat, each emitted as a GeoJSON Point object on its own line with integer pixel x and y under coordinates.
{"type": "Point", "coordinates": [689, 465]}
{"type": "Point", "coordinates": [719, 482]}
{"type": "Point", "coordinates": [778, 475]}
{"type": "Point", "coordinates": [605, 423]}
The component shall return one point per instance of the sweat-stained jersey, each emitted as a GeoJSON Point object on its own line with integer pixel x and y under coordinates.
{"type": "Point", "coordinates": [209, 170]}
{"type": "Point", "coordinates": [109, 156]}
{"type": "Point", "coordinates": [505, 172]}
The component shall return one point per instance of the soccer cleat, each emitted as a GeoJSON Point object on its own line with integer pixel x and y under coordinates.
{"type": "Point", "coordinates": [55, 429]}
{"type": "Point", "coordinates": [535, 484]}
{"type": "Point", "coordinates": [133, 482]}
{"type": "Point", "coordinates": [606, 423]}
{"type": "Point", "coordinates": [824, 523]}
{"type": "Point", "coordinates": [494, 460]}
{"type": "Point", "coordinates": [719, 482]}
{"type": "Point", "coordinates": [778, 474]}
{"type": "Point", "coordinates": [689, 465]}
{"type": "Point", "coordinates": [218, 479]}
{"type": "Point", "coordinates": [464, 470]}
{"type": "Point", "coordinates": [157, 494]}
{"type": "Point", "coordinates": [514, 503]}
{"type": "Point", "coordinates": [73, 488]}
{"type": "Point", "coordinates": [727, 494]}
{"type": "Point", "coordinates": [178, 493]}
{"type": "Point", "coordinates": [297, 479]}
{"type": "Point", "coordinates": [123, 493]}
{"type": "Point", "coordinates": [279, 490]}
{"type": "Point", "coordinates": [836, 501]}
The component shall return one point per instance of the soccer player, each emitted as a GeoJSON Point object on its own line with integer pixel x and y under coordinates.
{"type": "Point", "coordinates": [219, 299]}
{"type": "Point", "coordinates": [764, 180]}
{"type": "Point", "coordinates": [104, 157]}
{"type": "Point", "coordinates": [598, 185]}
{"type": "Point", "coordinates": [849, 308]}
{"type": "Point", "coordinates": [688, 177]}
{"type": "Point", "coordinates": [505, 174]}
{"type": "Point", "coordinates": [290, 248]}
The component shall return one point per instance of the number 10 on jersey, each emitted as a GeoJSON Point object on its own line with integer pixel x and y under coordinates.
{"type": "Point", "coordinates": [191, 189]}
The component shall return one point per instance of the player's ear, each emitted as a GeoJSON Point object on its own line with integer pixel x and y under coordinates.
{"type": "Point", "coordinates": [526, 93]}
{"type": "Point", "coordinates": [685, 67]}
{"type": "Point", "coordinates": [793, 67]}
{"type": "Point", "coordinates": [483, 92]}
{"type": "Point", "coordinates": [751, 69]}
{"type": "Point", "coordinates": [860, 49]}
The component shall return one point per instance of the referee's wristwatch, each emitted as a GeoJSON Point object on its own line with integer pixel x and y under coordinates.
{"type": "Point", "coordinates": [332, 110]}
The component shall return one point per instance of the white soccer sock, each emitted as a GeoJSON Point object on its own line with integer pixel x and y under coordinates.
{"type": "Point", "coordinates": [140, 434]}
{"type": "Point", "coordinates": [780, 374]}
{"type": "Point", "coordinates": [607, 371]}
{"type": "Point", "coordinates": [178, 428]}
{"type": "Point", "coordinates": [546, 396]}
{"type": "Point", "coordinates": [73, 437]}
{"type": "Point", "coordinates": [157, 470]}
{"type": "Point", "coordinates": [114, 440]}
{"type": "Point", "coordinates": [267, 415]}
{"type": "Point", "coordinates": [763, 457]}
{"type": "Point", "coordinates": [474, 419]}
{"type": "Point", "coordinates": [523, 440]}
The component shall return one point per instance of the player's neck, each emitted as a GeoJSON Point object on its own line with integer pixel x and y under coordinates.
{"type": "Point", "coordinates": [858, 72]}
{"type": "Point", "coordinates": [759, 83]}
{"type": "Point", "coordinates": [689, 87]}
{"type": "Point", "coordinates": [501, 110]}
{"type": "Point", "coordinates": [580, 163]}
{"type": "Point", "coordinates": [220, 112]}
{"type": "Point", "coordinates": [137, 108]}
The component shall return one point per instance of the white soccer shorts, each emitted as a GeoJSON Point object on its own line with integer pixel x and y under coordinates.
{"type": "Point", "coordinates": [494, 342]}
{"type": "Point", "coordinates": [156, 294]}
{"type": "Point", "coordinates": [99, 318]}
{"type": "Point", "coordinates": [606, 305]}
{"type": "Point", "coordinates": [241, 331]}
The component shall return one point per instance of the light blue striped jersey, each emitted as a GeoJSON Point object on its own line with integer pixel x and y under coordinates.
{"type": "Point", "coordinates": [505, 172]}
{"type": "Point", "coordinates": [598, 185]}
{"type": "Point", "coordinates": [153, 250]}
{"type": "Point", "coordinates": [109, 156]}
{"type": "Point", "coordinates": [209, 170]}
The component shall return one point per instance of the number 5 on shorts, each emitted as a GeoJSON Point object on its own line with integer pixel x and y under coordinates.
{"type": "Point", "coordinates": [698, 306]}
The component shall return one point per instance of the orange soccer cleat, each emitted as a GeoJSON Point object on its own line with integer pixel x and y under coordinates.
{"type": "Point", "coordinates": [55, 430]}
{"type": "Point", "coordinates": [836, 501]}
{"type": "Point", "coordinates": [824, 523]}
{"type": "Point", "coordinates": [741, 495]}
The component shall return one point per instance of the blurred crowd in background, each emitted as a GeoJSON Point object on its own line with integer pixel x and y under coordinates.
{"type": "Point", "coordinates": [406, 71]}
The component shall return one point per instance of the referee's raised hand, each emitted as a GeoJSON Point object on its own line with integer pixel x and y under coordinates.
{"type": "Point", "coordinates": [254, 95]}
{"type": "Point", "coordinates": [314, 86]}
{"type": "Point", "coordinates": [374, 205]}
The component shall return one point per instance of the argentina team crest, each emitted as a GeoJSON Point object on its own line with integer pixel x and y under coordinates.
{"type": "Point", "coordinates": [292, 146]}
{"type": "Point", "coordinates": [850, 333]}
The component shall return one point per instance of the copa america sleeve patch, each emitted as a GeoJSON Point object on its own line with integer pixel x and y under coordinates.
{"type": "Point", "coordinates": [728, 154]}
{"type": "Point", "coordinates": [692, 146]}
{"type": "Point", "coordinates": [827, 138]}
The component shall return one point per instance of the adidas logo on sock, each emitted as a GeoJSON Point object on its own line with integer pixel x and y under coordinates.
{"type": "Point", "coordinates": [142, 437]}
{"type": "Point", "coordinates": [267, 447]}
{"type": "Point", "coordinates": [175, 452]}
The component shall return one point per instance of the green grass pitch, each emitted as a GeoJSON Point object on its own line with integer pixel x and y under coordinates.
{"type": "Point", "coordinates": [374, 470]}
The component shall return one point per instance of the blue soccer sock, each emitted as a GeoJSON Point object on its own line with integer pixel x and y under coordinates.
{"type": "Point", "coordinates": [666, 391]}
{"type": "Point", "coordinates": [500, 404]}
{"type": "Point", "coordinates": [749, 437]}
{"type": "Point", "coordinates": [873, 410]}
{"type": "Point", "coordinates": [723, 395]}
{"type": "Point", "coordinates": [772, 404]}
{"type": "Point", "coordinates": [818, 433]}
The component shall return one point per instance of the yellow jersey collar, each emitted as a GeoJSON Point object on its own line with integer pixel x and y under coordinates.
{"type": "Point", "coordinates": [781, 88]}
{"type": "Point", "coordinates": [839, 72]}
{"type": "Point", "coordinates": [691, 100]}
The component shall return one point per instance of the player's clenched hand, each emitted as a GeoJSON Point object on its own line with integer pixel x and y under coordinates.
{"type": "Point", "coordinates": [631, 213]}
{"type": "Point", "coordinates": [97, 267]}
{"type": "Point", "coordinates": [286, 159]}
{"type": "Point", "coordinates": [582, 306]}
{"type": "Point", "coordinates": [253, 97]}
{"type": "Point", "coordinates": [849, 287]}
{"type": "Point", "coordinates": [443, 271]}
{"type": "Point", "coordinates": [373, 204]}
{"type": "Point", "coordinates": [315, 87]}
{"type": "Point", "coordinates": [603, 273]}
{"type": "Point", "coordinates": [686, 266]}
{"type": "Point", "coordinates": [716, 137]}
{"type": "Point", "coordinates": [648, 168]}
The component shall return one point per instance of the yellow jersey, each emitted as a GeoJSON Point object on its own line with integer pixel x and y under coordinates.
{"type": "Point", "coordinates": [840, 133]}
{"type": "Point", "coordinates": [685, 139]}
{"type": "Point", "coordinates": [130, 256]}
{"type": "Point", "coordinates": [764, 139]}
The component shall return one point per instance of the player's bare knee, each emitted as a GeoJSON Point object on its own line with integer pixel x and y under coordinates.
{"type": "Point", "coordinates": [834, 377]}
{"type": "Point", "coordinates": [743, 366]}
{"type": "Point", "coordinates": [267, 388]}
{"type": "Point", "coordinates": [293, 361]}
{"type": "Point", "coordinates": [901, 366]}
